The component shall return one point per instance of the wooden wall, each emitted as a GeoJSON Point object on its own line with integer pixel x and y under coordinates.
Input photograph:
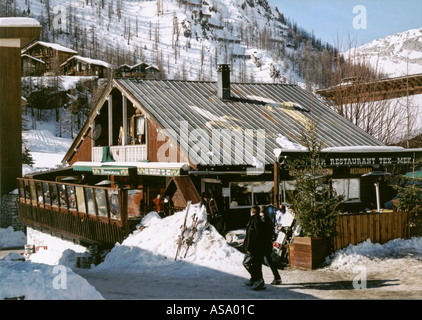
{"type": "Point", "coordinates": [154, 144]}
{"type": "Point", "coordinates": [10, 118]}
{"type": "Point", "coordinates": [378, 227]}
{"type": "Point", "coordinates": [84, 152]}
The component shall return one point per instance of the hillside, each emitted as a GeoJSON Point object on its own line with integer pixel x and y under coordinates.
{"type": "Point", "coordinates": [185, 38]}
{"type": "Point", "coordinates": [395, 55]}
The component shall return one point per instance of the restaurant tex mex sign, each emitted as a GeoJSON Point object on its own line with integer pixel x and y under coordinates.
{"type": "Point", "coordinates": [357, 159]}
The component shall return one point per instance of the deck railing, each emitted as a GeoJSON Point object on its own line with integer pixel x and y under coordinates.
{"type": "Point", "coordinates": [130, 153]}
{"type": "Point", "coordinates": [88, 213]}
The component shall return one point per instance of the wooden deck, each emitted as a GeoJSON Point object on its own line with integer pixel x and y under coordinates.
{"type": "Point", "coordinates": [82, 213]}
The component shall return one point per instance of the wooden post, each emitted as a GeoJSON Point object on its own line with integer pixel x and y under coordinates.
{"type": "Point", "coordinates": [276, 184]}
{"type": "Point", "coordinates": [15, 33]}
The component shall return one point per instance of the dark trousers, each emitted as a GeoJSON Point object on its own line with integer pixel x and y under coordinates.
{"type": "Point", "coordinates": [273, 266]}
{"type": "Point", "coordinates": [253, 264]}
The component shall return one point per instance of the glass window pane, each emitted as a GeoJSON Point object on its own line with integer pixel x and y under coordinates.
{"type": "Point", "coordinates": [134, 202]}
{"type": "Point", "coordinates": [349, 188]}
{"type": "Point", "coordinates": [113, 202]}
{"type": "Point", "coordinates": [62, 196]}
{"type": "Point", "coordinates": [262, 192]}
{"type": "Point", "coordinates": [27, 190]}
{"type": "Point", "coordinates": [80, 197]}
{"type": "Point", "coordinates": [89, 196]}
{"type": "Point", "coordinates": [33, 191]}
{"type": "Point", "coordinates": [46, 193]}
{"type": "Point", "coordinates": [54, 198]}
{"type": "Point", "coordinates": [21, 188]}
{"type": "Point", "coordinates": [39, 192]}
{"type": "Point", "coordinates": [240, 194]}
{"type": "Point", "coordinates": [71, 194]}
{"type": "Point", "coordinates": [101, 202]}
{"type": "Point", "coordinates": [287, 190]}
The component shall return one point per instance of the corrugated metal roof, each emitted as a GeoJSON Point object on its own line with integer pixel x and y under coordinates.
{"type": "Point", "coordinates": [271, 109]}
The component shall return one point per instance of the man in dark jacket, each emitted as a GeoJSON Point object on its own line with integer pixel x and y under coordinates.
{"type": "Point", "coordinates": [268, 235]}
{"type": "Point", "coordinates": [254, 246]}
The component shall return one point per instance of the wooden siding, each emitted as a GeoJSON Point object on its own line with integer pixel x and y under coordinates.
{"type": "Point", "coordinates": [378, 227]}
{"type": "Point", "coordinates": [84, 151]}
{"type": "Point", "coordinates": [10, 118]}
{"type": "Point", "coordinates": [154, 144]}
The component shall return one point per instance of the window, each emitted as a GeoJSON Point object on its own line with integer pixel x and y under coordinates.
{"type": "Point", "coordinates": [80, 197]}
{"type": "Point", "coordinates": [101, 202]}
{"type": "Point", "coordinates": [89, 196]}
{"type": "Point", "coordinates": [349, 188]}
{"type": "Point", "coordinates": [247, 194]}
{"type": "Point", "coordinates": [287, 191]}
{"type": "Point", "coordinates": [113, 202]}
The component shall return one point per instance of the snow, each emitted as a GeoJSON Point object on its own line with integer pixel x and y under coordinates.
{"type": "Point", "coordinates": [51, 45]}
{"type": "Point", "coordinates": [18, 22]}
{"type": "Point", "coordinates": [9, 238]}
{"type": "Point", "coordinates": [285, 143]}
{"type": "Point", "coordinates": [89, 61]}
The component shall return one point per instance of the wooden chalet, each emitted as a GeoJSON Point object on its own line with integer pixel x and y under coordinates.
{"type": "Point", "coordinates": [52, 54]}
{"type": "Point", "coordinates": [141, 70]}
{"type": "Point", "coordinates": [182, 138]}
{"type": "Point", "coordinates": [32, 66]}
{"type": "Point", "coordinates": [82, 66]}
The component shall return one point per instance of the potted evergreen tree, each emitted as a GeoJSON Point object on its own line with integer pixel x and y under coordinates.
{"type": "Point", "coordinates": [315, 205]}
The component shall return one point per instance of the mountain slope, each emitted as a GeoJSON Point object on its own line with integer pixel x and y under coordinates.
{"type": "Point", "coordinates": [395, 55]}
{"type": "Point", "coordinates": [185, 38]}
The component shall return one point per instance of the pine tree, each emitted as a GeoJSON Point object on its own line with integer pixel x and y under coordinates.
{"type": "Point", "coordinates": [315, 206]}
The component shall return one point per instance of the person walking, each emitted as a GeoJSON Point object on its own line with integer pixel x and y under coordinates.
{"type": "Point", "coordinates": [254, 248]}
{"type": "Point", "coordinates": [268, 240]}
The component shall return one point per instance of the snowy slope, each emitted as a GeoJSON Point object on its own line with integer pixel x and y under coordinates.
{"type": "Point", "coordinates": [395, 55]}
{"type": "Point", "coordinates": [145, 31]}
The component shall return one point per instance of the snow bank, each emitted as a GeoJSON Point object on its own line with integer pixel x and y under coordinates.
{"type": "Point", "coordinates": [10, 238]}
{"type": "Point", "coordinates": [37, 281]}
{"type": "Point", "coordinates": [156, 245]}
{"type": "Point", "coordinates": [371, 254]}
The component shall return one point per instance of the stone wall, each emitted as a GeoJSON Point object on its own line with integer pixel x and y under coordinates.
{"type": "Point", "coordinates": [9, 212]}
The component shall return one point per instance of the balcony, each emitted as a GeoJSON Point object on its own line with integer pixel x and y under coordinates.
{"type": "Point", "coordinates": [130, 153]}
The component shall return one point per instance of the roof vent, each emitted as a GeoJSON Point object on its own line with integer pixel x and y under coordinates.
{"type": "Point", "coordinates": [223, 81]}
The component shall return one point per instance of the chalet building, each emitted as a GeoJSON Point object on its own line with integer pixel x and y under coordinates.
{"type": "Point", "coordinates": [52, 54]}
{"type": "Point", "coordinates": [32, 66]}
{"type": "Point", "coordinates": [82, 66]}
{"type": "Point", "coordinates": [140, 70]}
{"type": "Point", "coordinates": [180, 139]}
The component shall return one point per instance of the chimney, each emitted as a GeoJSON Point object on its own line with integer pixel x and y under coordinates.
{"type": "Point", "coordinates": [223, 81]}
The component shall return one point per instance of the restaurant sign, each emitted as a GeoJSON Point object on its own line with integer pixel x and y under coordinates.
{"type": "Point", "coordinates": [112, 171]}
{"type": "Point", "coordinates": [363, 161]}
{"type": "Point", "coordinates": [163, 172]}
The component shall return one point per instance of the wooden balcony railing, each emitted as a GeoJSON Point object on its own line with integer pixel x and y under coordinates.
{"type": "Point", "coordinates": [86, 213]}
{"type": "Point", "coordinates": [130, 153]}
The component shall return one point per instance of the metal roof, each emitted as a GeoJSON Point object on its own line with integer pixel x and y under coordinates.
{"type": "Point", "coordinates": [271, 109]}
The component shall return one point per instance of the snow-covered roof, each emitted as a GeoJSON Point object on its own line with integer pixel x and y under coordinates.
{"type": "Point", "coordinates": [18, 22]}
{"type": "Point", "coordinates": [89, 61]}
{"type": "Point", "coordinates": [33, 58]}
{"type": "Point", "coordinates": [54, 46]}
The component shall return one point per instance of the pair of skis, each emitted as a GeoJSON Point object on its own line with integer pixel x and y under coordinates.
{"type": "Point", "coordinates": [188, 240]}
